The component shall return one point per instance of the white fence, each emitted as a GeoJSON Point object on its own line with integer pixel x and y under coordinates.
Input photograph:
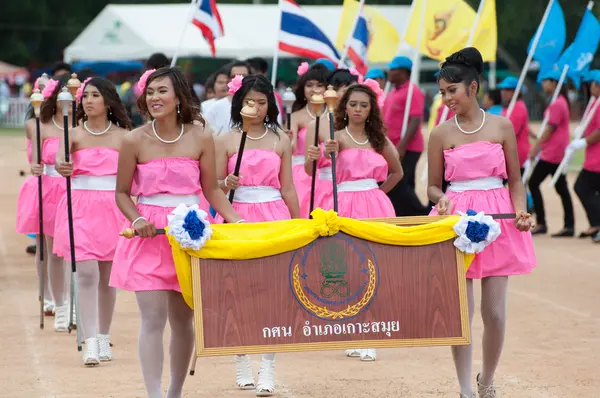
{"type": "Point", "coordinates": [13, 112]}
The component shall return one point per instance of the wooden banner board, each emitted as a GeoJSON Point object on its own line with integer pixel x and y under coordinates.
{"type": "Point", "coordinates": [338, 292]}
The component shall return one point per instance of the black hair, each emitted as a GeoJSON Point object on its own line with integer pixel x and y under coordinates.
{"type": "Point", "coordinates": [463, 66]}
{"type": "Point", "coordinates": [259, 64]}
{"type": "Point", "coordinates": [83, 74]}
{"type": "Point", "coordinates": [238, 63]}
{"type": "Point", "coordinates": [61, 65]}
{"type": "Point", "coordinates": [341, 78]}
{"type": "Point", "coordinates": [318, 72]}
{"type": "Point", "coordinates": [564, 91]}
{"type": "Point", "coordinates": [495, 96]}
{"type": "Point", "coordinates": [157, 61]}
{"type": "Point", "coordinates": [260, 84]}
{"type": "Point", "coordinates": [209, 84]}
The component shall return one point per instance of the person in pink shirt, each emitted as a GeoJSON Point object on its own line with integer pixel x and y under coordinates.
{"type": "Point", "coordinates": [551, 149]}
{"type": "Point", "coordinates": [587, 186]}
{"type": "Point", "coordinates": [519, 117]}
{"type": "Point", "coordinates": [411, 145]}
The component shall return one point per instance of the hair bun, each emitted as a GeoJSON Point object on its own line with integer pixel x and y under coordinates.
{"type": "Point", "coordinates": [469, 56]}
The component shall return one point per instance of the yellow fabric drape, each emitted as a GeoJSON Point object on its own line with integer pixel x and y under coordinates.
{"type": "Point", "coordinates": [256, 240]}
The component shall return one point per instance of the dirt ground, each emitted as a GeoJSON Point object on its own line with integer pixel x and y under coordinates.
{"type": "Point", "coordinates": [552, 338]}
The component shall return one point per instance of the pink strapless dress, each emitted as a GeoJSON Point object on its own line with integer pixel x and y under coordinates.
{"type": "Point", "coordinates": [323, 187]}
{"type": "Point", "coordinates": [97, 220]}
{"type": "Point", "coordinates": [358, 172]}
{"type": "Point", "coordinates": [258, 198]}
{"type": "Point", "coordinates": [477, 171]}
{"type": "Point", "coordinates": [142, 264]}
{"type": "Point", "coordinates": [301, 179]}
{"type": "Point", "coordinates": [53, 187]}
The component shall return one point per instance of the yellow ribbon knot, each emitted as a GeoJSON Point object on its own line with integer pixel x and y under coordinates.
{"type": "Point", "coordinates": [327, 223]}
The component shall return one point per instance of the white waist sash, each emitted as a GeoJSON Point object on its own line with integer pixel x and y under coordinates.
{"type": "Point", "coordinates": [326, 174]}
{"type": "Point", "coordinates": [256, 194]}
{"type": "Point", "coordinates": [298, 159]}
{"type": "Point", "coordinates": [365, 184]}
{"type": "Point", "coordinates": [478, 184]}
{"type": "Point", "coordinates": [168, 200]}
{"type": "Point", "coordinates": [50, 170]}
{"type": "Point", "coordinates": [94, 183]}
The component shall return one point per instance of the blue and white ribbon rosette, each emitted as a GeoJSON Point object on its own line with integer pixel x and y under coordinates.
{"type": "Point", "coordinates": [475, 231]}
{"type": "Point", "coordinates": [189, 226]}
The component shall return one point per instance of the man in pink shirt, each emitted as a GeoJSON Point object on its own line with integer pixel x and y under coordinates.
{"type": "Point", "coordinates": [411, 145]}
{"type": "Point", "coordinates": [519, 117]}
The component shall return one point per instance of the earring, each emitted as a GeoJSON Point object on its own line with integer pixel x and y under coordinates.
{"type": "Point", "coordinates": [178, 111]}
{"type": "Point", "coordinates": [367, 120]}
{"type": "Point", "coordinates": [267, 120]}
{"type": "Point", "coordinates": [345, 117]}
{"type": "Point", "coordinates": [109, 112]}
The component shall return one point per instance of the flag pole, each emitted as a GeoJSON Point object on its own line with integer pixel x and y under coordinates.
{"type": "Point", "coordinates": [536, 40]}
{"type": "Point", "coordinates": [388, 84]}
{"type": "Point", "coordinates": [276, 51]}
{"type": "Point", "coordinates": [351, 34]}
{"type": "Point", "coordinates": [416, 69]}
{"type": "Point", "coordinates": [185, 26]}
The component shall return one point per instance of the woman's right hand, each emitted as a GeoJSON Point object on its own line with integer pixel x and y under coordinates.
{"type": "Point", "coordinates": [444, 206]}
{"type": "Point", "coordinates": [145, 229]}
{"type": "Point", "coordinates": [232, 181]}
{"type": "Point", "coordinates": [64, 169]}
{"type": "Point", "coordinates": [313, 153]}
{"type": "Point", "coordinates": [37, 169]}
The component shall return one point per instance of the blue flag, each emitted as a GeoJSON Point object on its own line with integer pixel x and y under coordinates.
{"type": "Point", "coordinates": [552, 38]}
{"type": "Point", "coordinates": [581, 52]}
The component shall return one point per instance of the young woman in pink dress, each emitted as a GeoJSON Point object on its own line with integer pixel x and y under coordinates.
{"type": "Point", "coordinates": [264, 191]}
{"type": "Point", "coordinates": [364, 159]}
{"type": "Point", "coordinates": [53, 186]}
{"type": "Point", "coordinates": [311, 80]}
{"type": "Point", "coordinates": [340, 79]}
{"type": "Point", "coordinates": [477, 151]}
{"type": "Point", "coordinates": [97, 221]}
{"type": "Point", "coordinates": [163, 163]}
{"type": "Point", "coordinates": [551, 149]}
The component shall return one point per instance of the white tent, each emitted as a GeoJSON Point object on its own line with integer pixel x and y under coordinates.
{"type": "Point", "coordinates": [129, 32]}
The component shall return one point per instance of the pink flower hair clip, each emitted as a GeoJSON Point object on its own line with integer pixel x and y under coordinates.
{"type": "Point", "coordinates": [235, 84]}
{"type": "Point", "coordinates": [355, 72]}
{"type": "Point", "coordinates": [303, 68]}
{"type": "Point", "coordinates": [49, 88]}
{"type": "Point", "coordinates": [373, 85]}
{"type": "Point", "coordinates": [79, 93]}
{"type": "Point", "coordinates": [37, 83]}
{"type": "Point", "coordinates": [139, 88]}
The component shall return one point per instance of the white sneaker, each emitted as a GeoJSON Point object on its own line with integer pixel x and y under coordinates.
{"type": "Point", "coordinates": [48, 307]}
{"type": "Point", "coordinates": [104, 349]}
{"type": "Point", "coordinates": [90, 356]}
{"type": "Point", "coordinates": [266, 379]}
{"type": "Point", "coordinates": [369, 354]}
{"type": "Point", "coordinates": [243, 372]}
{"type": "Point", "coordinates": [61, 318]}
{"type": "Point", "coordinates": [353, 353]}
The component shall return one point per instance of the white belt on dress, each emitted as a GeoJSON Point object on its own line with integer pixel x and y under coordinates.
{"type": "Point", "coordinates": [94, 183]}
{"type": "Point", "coordinates": [258, 194]}
{"type": "Point", "coordinates": [365, 184]}
{"type": "Point", "coordinates": [298, 159]}
{"type": "Point", "coordinates": [50, 170]}
{"type": "Point", "coordinates": [168, 200]}
{"type": "Point", "coordinates": [477, 184]}
{"type": "Point", "coordinates": [325, 174]}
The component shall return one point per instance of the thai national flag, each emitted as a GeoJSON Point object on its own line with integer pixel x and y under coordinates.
{"type": "Point", "coordinates": [359, 44]}
{"type": "Point", "coordinates": [300, 36]}
{"type": "Point", "coordinates": [208, 20]}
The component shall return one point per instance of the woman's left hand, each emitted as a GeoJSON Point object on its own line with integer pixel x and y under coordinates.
{"type": "Point", "coordinates": [64, 169]}
{"type": "Point", "coordinates": [523, 221]}
{"type": "Point", "coordinates": [331, 146]}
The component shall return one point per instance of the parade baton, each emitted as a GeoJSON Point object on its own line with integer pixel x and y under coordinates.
{"type": "Point", "coordinates": [331, 99]}
{"type": "Point", "coordinates": [317, 102]}
{"type": "Point", "coordinates": [579, 132]}
{"type": "Point", "coordinates": [248, 113]}
{"type": "Point", "coordinates": [288, 99]}
{"type": "Point", "coordinates": [36, 102]}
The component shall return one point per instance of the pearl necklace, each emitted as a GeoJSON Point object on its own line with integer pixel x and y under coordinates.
{"type": "Point", "coordinates": [258, 138]}
{"type": "Point", "coordinates": [474, 131]}
{"type": "Point", "coordinates": [61, 128]}
{"type": "Point", "coordinates": [93, 132]}
{"type": "Point", "coordinates": [313, 116]}
{"type": "Point", "coordinates": [352, 138]}
{"type": "Point", "coordinates": [166, 141]}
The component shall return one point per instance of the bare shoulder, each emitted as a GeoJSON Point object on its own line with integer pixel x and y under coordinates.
{"type": "Point", "coordinates": [224, 137]}
{"type": "Point", "coordinates": [441, 129]}
{"type": "Point", "coordinates": [30, 124]}
{"type": "Point", "coordinates": [202, 132]}
{"type": "Point", "coordinates": [283, 137]}
{"type": "Point", "coordinates": [500, 121]}
{"type": "Point", "coordinates": [135, 135]}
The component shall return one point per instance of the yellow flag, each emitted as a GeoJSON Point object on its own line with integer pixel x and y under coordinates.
{"type": "Point", "coordinates": [384, 37]}
{"type": "Point", "coordinates": [447, 25]}
{"type": "Point", "coordinates": [486, 35]}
